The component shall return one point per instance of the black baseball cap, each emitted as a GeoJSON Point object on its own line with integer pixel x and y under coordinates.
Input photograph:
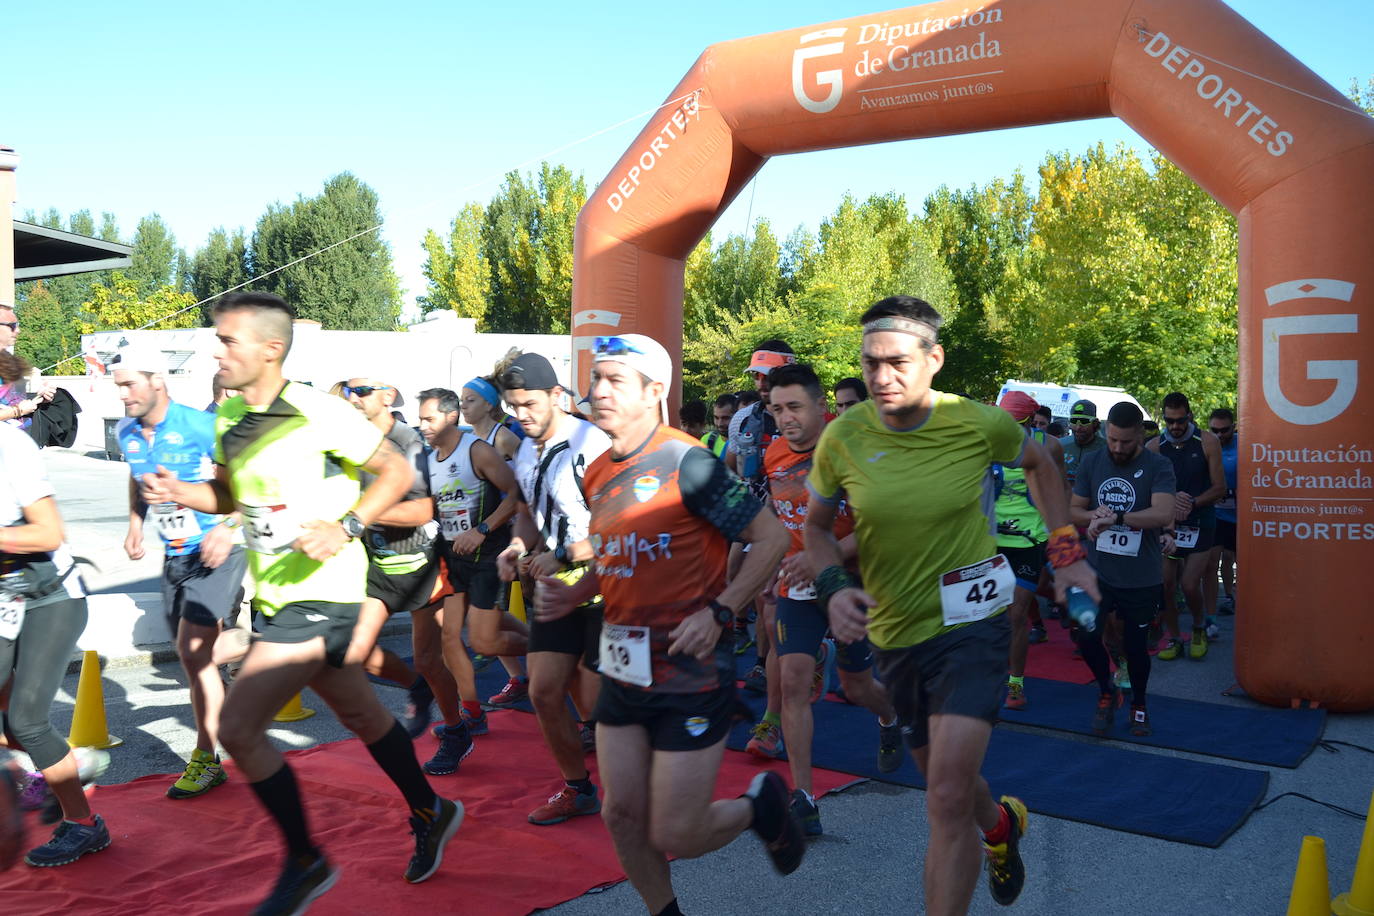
{"type": "Point", "coordinates": [1084, 408]}
{"type": "Point", "coordinates": [531, 372]}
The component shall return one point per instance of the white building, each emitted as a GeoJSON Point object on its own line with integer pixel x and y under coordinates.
{"type": "Point", "coordinates": [443, 351]}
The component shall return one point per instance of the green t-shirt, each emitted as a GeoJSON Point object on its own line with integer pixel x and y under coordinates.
{"type": "Point", "coordinates": [1018, 520]}
{"type": "Point", "coordinates": [294, 461]}
{"type": "Point", "coordinates": [922, 500]}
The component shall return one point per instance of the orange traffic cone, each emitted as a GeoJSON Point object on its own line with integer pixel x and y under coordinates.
{"type": "Point", "coordinates": [293, 711]}
{"type": "Point", "coordinates": [1311, 894]}
{"type": "Point", "coordinates": [1360, 900]}
{"type": "Point", "coordinates": [89, 728]}
{"type": "Point", "coordinates": [517, 601]}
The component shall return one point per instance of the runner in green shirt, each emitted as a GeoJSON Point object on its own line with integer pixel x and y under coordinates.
{"type": "Point", "coordinates": [913, 466]}
{"type": "Point", "coordinates": [287, 457]}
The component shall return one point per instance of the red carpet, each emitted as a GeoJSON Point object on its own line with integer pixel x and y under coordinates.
{"type": "Point", "coordinates": [1054, 660]}
{"type": "Point", "coordinates": [220, 854]}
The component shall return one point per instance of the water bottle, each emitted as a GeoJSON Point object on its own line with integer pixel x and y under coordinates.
{"type": "Point", "coordinates": [1082, 609]}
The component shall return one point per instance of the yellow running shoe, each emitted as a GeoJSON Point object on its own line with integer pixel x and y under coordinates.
{"type": "Point", "coordinates": [1172, 651]}
{"type": "Point", "coordinates": [1197, 649]}
{"type": "Point", "coordinates": [203, 773]}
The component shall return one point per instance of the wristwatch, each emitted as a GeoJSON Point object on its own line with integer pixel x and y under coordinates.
{"type": "Point", "coordinates": [724, 616]}
{"type": "Point", "coordinates": [352, 525]}
{"type": "Point", "coordinates": [561, 554]}
{"type": "Point", "coordinates": [1120, 517]}
{"type": "Point", "coordinates": [482, 529]}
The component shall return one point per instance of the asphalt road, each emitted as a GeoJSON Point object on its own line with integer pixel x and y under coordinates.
{"type": "Point", "coordinates": [869, 861]}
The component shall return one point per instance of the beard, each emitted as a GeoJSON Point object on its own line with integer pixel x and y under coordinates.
{"type": "Point", "coordinates": [1123, 460]}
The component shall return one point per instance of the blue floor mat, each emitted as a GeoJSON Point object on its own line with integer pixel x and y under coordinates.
{"type": "Point", "coordinates": [1263, 735]}
{"type": "Point", "coordinates": [1185, 801]}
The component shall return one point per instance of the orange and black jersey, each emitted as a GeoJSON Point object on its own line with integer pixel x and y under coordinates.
{"type": "Point", "coordinates": [786, 471]}
{"type": "Point", "coordinates": [662, 519]}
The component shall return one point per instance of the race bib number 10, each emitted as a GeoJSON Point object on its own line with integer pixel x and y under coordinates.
{"type": "Point", "coordinates": [1119, 540]}
{"type": "Point", "coordinates": [625, 654]}
{"type": "Point", "coordinates": [976, 591]}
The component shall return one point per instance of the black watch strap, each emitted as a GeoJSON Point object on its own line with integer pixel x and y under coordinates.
{"type": "Point", "coordinates": [1120, 517]}
{"type": "Point", "coordinates": [723, 615]}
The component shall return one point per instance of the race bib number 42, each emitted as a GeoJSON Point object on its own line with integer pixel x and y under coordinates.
{"type": "Point", "coordinates": [625, 654]}
{"type": "Point", "coordinates": [976, 591]}
{"type": "Point", "coordinates": [269, 529]}
{"type": "Point", "coordinates": [1119, 540]}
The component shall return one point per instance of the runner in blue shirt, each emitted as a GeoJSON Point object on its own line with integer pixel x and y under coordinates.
{"type": "Point", "coordinates": [204, 564]}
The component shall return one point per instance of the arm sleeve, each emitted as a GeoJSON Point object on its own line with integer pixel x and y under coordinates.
{"type": "Point", "coordinates": [712, 492]}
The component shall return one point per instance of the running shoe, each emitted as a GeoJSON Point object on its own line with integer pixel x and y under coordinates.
{"type": "Point", "coordinates": [418, 708]}
{"type": "Point", "coordinates": [1197, 649]}
{"type": "Point", "coordinates": [1038, 634]}
{"type": "Point", "coordinates": [818, 678]}
{"type": "Point", "coordinates": [889, 747]}
{"type": "Point", "coordinates": [516, 689]}
{"type": "Point", "coordinates": [1140, 722]}
{"type": "Point", "coordinates": [1106, 711]}
{"type": "Point", "coordinates": [70, 841]}
{"type": "Point", "coordinates": [454, 746]}
{"type": "Point", "coordinates": [298, 886]}
{"type": "Point", "coordinates": [203, 773]}
{"type": "Point", "coordinates": [1122, 678]}
{"type": "Point", "coordinates": [770, 797]}
{"type": "Point", "coordinates": [756, 681]}
{"type": "Point", "coordinates": [566, 804]}
{"type": "Point", "coordinates": [1213, 631]}
{"type": "Point", "coordinates": [481, 662]}
{"type": "Point", "coordinates": [1016, 696]}
{"type": "Point", "coordinates": [1006, 871]}
{"type": "Point", "coordinates": [586, 731]}
{"type": "Point", "coordinates": [1172, 651]}
{"type": "Point", "coordinates": [806, 812]}
{"type": "Point", "coordinates": [431, 835]}
{"type": "Point", "coordinates": [743, 641]}
{"type": "Point", "coordinates": [477, 725]}
{"type": "Point", "coordinates": [766, 741]}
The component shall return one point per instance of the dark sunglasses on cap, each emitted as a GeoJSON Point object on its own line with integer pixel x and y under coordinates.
{"type": "Point", "coordinates": [1082, 421]}
{"type": "Point", "coordinates": [12, 325]}
{"type": "Point", "coordinates": [363, 391]}
{"type": "Point", "coordinates": [614, 346]}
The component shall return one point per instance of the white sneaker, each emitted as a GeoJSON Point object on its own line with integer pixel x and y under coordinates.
{"type": "Point", "coordinates": [1213, 631]}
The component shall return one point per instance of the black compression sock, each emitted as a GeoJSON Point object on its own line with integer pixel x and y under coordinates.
{"type": "Point", "coordinates": [395, 754]}
{"type": "Point", "coordinates": [584, 785]}
{"type": "Point", "coordinates": [670, 910]}
{"type": "Point", "coordinates": [281, 796]}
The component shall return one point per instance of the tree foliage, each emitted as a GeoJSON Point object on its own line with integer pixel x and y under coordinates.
{"type": "Point", "coordinates": [352, 286]}
{"type": "Point", "coordinates": [117, 306]}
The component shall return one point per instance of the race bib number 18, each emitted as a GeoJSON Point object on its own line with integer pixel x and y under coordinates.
{"type": "Point", "coordinates": [976, 591]}
{"type": "Point", "coordinates": [625, 654]}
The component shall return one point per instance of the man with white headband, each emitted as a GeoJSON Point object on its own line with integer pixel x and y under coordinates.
{"type": "Point", "coordinates": [663, 513]}
{"type": "Point", "coordinates": [912, 464]}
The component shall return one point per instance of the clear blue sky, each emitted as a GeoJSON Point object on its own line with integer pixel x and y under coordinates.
{"type": "Point", "coordinates": [206, 113]}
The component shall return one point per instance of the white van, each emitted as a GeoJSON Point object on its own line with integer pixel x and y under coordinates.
{"type": "Point", "coordinates": [1059, 398]}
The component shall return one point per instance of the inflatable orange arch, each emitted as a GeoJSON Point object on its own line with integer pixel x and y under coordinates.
{"type": "Point", "coordinates": [1283, 150]}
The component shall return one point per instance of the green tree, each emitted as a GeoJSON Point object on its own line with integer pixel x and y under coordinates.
{"type": "Point", "coordinates": [352, 286]}
{"type": "Point", "coordinates": [457, 269]}
{"type": "Point", "coordinates": [221, 264]}
{"type": "Point", "coordinates": [47, 337]}
{"type": "Point", "coordinates": [1363, 97]}
{"type": "Point", "coordinates": [154, 256]}
{"type": "Point", "coordinates": [118, 307]}
{"type": "Point", "coordinates": [561, 196]}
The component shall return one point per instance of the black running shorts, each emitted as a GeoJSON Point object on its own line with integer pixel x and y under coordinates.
{"type": "Point", "coordinates": [402, 592]}
{"type": "Point", "coordinates": [961, 672]}
{"type": "Point", "coordinates": [302, 621]}
{"type": "Point", "coordinates": [194, 592]}
{"type": "Point", "coordinates": [674, 721]}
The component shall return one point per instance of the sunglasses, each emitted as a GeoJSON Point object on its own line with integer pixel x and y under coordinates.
{"type": "Point", "coordinates": [1082, 421]}
{"type": "Point", "coordinates": [12, 325]}
{"type": "Point", "coordinates": [614, 346]}
{"type": "Point", "coordinates": [1221, 430]}
{"type": "Point", "coordinates": [363, 391]}
{"type": "Point", "coordinates": [1178, 421]}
